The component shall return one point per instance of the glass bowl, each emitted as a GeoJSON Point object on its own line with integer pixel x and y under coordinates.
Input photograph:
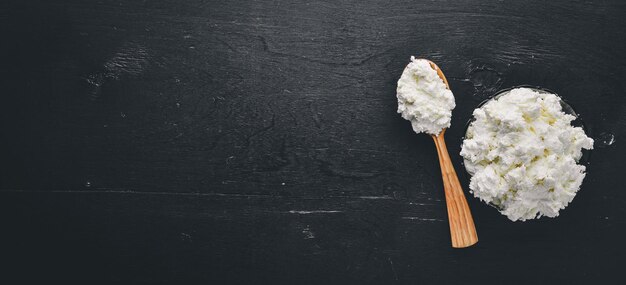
{"type": "Point", "coordinates": [567, 108]}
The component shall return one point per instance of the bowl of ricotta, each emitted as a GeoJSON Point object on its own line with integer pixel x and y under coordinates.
{"type": "Point", "coordinates": [523, 153]}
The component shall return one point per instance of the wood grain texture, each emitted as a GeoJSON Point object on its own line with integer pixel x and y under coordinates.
{"type": "Point", "coordinates": [257, 142]}
{"type": "Point", "coordinates": [462, 228]}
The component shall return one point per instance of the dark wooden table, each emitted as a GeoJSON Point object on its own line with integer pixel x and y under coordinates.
{"type": "Point", "coordinates": [257, 142]}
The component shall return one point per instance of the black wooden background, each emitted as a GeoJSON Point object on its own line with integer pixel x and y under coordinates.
{"type": "Point", "coordinates": [257, 142]}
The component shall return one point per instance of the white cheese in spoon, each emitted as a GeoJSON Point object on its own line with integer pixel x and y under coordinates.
{"type": "Point", "coordinates": [423, 98]}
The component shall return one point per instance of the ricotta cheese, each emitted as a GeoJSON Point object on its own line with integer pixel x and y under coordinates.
{"type": "Point", "coordinates": [523, 153]}
{"type": "Point", "coordinates": [423, 98]}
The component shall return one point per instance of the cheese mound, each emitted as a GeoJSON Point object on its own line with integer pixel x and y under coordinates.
{"type": "Point", "coordinates": [423, 98]}
{"type": "Point", "coordinates": [522, 153]}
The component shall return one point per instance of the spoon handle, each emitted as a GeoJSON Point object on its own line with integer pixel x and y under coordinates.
{"type": "Point", "coordinates": [462, 229]}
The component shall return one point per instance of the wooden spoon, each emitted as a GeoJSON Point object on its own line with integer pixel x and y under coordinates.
{"type": "Point", "coordinates": [462, 229]}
